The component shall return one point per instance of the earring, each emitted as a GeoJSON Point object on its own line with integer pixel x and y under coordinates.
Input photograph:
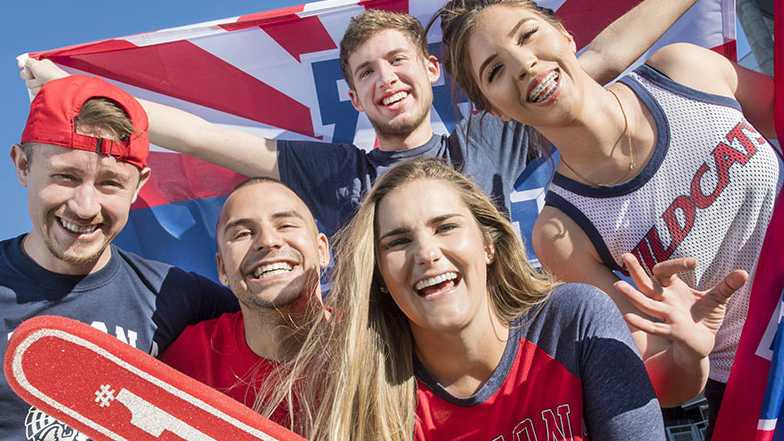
{"type": "Point", "coordinates": [383, 289]}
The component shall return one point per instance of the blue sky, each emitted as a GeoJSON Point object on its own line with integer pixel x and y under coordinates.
{"type": "Point", "coordinates": [49, 24]}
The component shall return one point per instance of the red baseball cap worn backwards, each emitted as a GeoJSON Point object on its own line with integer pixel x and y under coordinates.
{"type": "Point", "coordinates": [54, 110]}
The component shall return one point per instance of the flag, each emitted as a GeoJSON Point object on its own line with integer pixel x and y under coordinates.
{"type": "Point", "coordinates": [277, 74]}
{"type": "Point", "coordinates": [752, 405]}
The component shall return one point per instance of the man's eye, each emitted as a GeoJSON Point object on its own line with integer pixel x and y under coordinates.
{"type": "Point", "coordinates": [241, 234]}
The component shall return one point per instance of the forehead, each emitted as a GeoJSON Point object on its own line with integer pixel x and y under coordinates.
{"type": "Point", "coordinates": [417, 202]}
{"type": "Point", "coordinates": [56, 157]}
{"type": "Point", "coordinates": [379, 45]}
{"type": "Point", "coordinates": [261, 200]}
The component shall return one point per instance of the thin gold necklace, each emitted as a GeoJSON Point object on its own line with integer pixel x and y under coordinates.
{"type": "Point", "coordinates": [632, 164]}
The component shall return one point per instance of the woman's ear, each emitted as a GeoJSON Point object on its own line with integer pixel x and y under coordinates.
{"type": "Point", "coordinates": [489, 253]}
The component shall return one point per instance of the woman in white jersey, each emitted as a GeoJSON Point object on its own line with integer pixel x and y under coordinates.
{"type": "Point", "coordinates": [659, 166]}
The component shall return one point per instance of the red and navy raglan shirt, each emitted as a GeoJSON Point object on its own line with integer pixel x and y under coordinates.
{"type": "Point", "coordinates": [570, 371]}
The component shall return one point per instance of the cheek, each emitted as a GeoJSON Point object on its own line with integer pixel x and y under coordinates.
{"type": "Point", "coordinates": [392, 266]}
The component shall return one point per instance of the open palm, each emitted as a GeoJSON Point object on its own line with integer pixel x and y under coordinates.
{"type": "Point", "coordinates": [690, 318]}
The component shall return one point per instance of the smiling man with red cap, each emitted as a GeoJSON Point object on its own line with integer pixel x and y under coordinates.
{"type": "Point", "coordinates": [82, 158]}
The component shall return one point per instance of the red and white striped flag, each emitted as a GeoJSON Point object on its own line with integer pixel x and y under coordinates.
{"type": "Point", "coordinates": [277, 74]}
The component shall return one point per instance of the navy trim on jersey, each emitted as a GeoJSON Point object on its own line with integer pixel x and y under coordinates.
{"type": "Point", "coordinates": [492, 384]}
{"type": "Point", "coordinates": [660, 79]}
{"type": "Point", "coordinates": [554, 200]}
{"type": "Point", "coordinates": [659, 152]}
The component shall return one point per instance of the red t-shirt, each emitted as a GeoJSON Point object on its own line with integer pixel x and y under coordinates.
{"type": "Point", "coordinates": [216, 353]}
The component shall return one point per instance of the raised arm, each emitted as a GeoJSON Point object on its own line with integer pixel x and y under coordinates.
{"type": "Point", "coordinates": [184, 132]}
{"type": "Point", "coordinates": [627, 38]}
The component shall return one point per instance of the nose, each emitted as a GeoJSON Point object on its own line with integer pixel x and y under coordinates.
{"type": "Point", "coordinates": [84, 202]}
{"type": "Point", "coordinates": [386, 75]}
{"type": "Point", "coordinates": [427, 252]}
{"type": "Point", "coordinates": [268, 238]}
{"type": "Point", "coordinates": [525, 62]}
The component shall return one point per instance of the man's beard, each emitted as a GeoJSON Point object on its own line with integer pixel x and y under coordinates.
{"type": "Point", "coordinates": [399, 130]}
{"type": "Point", "coordinates": [77, 260]}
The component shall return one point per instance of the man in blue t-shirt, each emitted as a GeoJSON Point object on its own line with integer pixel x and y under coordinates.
{"type": "Point", "coordinates": [82, 159]}
{"type": "Point", "coordinates": [390, 75]}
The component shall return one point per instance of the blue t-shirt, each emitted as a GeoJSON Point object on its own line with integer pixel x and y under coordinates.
{"type": "Point", "coordinates": [332, 178]}
{"type": "Point", "coordinates": [141, 302]}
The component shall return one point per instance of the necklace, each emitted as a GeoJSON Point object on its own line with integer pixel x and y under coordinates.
{"type": "Point", "coordinates": [632, 164]}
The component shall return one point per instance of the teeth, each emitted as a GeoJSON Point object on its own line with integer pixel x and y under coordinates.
{"type": "Point", "coordinates": [76, 228]}
{"type": "Point", "coordinates": [395, 98]}
{"type": "Point", "coordinates": [270, 269]}
{"type": "Point", "coordinates": [430, 281]}
{"type": "Point", "coordinates": [545, 88]}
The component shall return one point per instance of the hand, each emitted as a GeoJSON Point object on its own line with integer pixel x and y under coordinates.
{"type": "Point", "coordinates": [36, 73]}
{"type": "Point", "coordinates": [688, 317]}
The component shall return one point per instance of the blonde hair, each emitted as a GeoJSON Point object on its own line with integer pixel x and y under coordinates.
{"type": "Point", "coordinates": [372, 21]}
{"type": "Point", "coordinates": [458, 20]}
{"type": "Point", "coordinates": [354, 376]}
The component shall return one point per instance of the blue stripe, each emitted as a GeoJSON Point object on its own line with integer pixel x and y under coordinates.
{"type": "Point", "coordinates": [556, 201]}
{"type": "Point", "coordinates": [666, 83]}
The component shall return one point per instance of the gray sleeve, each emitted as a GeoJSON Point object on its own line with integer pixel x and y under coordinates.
{"type": "Point", "coordinates": [620, 403]}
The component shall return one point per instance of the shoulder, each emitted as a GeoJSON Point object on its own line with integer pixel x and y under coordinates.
{"type": "Point", "coordinates": [200, 338]}
{"type": "Point", "coordinates": [678, 61]}
{"type": "Point", "coordinates": [574, 299]}
{"type": "Point", "coordinates": [317, 148]}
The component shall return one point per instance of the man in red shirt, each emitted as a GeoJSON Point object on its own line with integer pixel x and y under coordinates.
{"type": "Point", "coordinates": [270, 253]}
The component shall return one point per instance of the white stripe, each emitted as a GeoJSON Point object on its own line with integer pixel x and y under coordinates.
{"type": "Point", "coordinates": [766, 425]}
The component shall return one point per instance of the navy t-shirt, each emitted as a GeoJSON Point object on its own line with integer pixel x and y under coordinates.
{"type": "Point", "coordinates": [141, 302]}
{"type": "Point", "coordinates": [332, 178]}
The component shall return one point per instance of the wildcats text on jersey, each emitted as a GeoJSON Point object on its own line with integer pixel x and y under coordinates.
{"type": "Point", "coordinates": [741, 146]}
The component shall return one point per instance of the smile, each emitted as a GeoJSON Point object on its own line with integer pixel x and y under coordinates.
{"type": "Point", "coordinates": [392, 99]}
{"type": "Point", "coordinates": [76, 228]}
{"type": "Point", "coordinates": [436, 284]}
{"type": "Point", "coordinates": [545, 88]}
{"type": "Point", "coordinates": [271, 269]}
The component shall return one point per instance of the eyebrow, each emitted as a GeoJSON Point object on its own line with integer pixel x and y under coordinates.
{"type": "Point", "coordinates": [287, 214]}
{"type": "Point", "coordinates": [386, 55]}
{"type": "Point", "coordinates": [432, 221]}
{"type": "Point", "coordinates": [511, 34]}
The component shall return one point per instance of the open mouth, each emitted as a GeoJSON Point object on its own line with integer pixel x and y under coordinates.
{"type": "Point", "coordinates": [437, 284]}
{"type": "Point", "coordinates": [75, 228]}
{"type": "Point", "coordinates": [394, 98]}
{"type": "Point", "coordinates": [545, 88]}
{"type": "Point", "coordinates": [269, 270]}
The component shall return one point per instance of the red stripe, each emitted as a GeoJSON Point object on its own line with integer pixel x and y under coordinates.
{"type": "Point", "coordinates": [728, 49]}
{"type": "Point", "coordinates": [182, 70]}
{"type": "Point", "coordinates": [177, 178]}
{"type": "Point", "coordinates": [389, 5]}
{"type": "Point", "coordinates": [779, 68]}
{"type": "Point", "coordinates": [585, 19]}
{"type": "Point", "coordinates": [297, 35]}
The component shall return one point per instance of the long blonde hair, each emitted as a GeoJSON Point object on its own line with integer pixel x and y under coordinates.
{"type": "Point", "coordinates": [354, 377]}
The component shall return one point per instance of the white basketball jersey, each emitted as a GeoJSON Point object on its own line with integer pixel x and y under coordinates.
{"type": "Point", "coordinates": [707, 191]}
